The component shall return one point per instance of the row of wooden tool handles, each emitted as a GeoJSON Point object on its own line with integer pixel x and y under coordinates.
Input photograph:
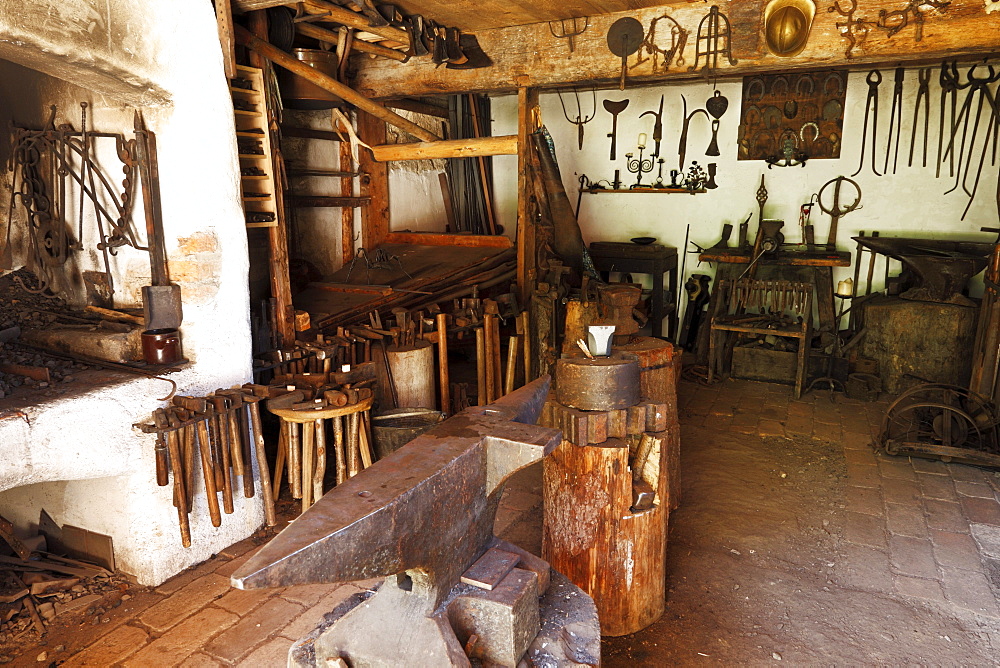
{"type": "Point", "coordinates": [223, 430]}
{"type": "Point", "coordinates": [307, 404]}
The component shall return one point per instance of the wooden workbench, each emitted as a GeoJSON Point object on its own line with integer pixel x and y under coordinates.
{"type": "Point", "coordinates": [441, 269]}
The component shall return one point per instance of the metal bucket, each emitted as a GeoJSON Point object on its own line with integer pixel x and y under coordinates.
{"type": "Point", "coordinates": [299, 93]}
{"type": "Point", "coordinates": [399, 426]}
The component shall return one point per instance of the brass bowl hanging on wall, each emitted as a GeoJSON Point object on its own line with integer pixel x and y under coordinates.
{"type": "Point", "coordinates": [786, 26]}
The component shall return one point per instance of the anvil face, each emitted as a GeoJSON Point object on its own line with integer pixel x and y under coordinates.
{"type": "Point", "coordinates": [427, 508]}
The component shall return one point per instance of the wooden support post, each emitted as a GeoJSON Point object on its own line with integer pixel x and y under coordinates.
{"type": "Point", "coordinates": [308, 457]}
{"type": "Point", "coordinates": [353, 444]}
{"type": "Point", "coordinates": [346, 213]}
{"type": "Point", "coordinates": [527, 122]}
{"type": "Point", "coordinates": [294, 461]}
{"type": "Point", "coordinates": [489, 353]}
{"type": "Point", "coordinates": [443, 378]}
{"type": "Point", "coordinates": [266, 493]}
{"type": "Point", "coordinates": [338, 443]}
{"type": "Point", "coordinates": [317, 482]}
{"type": "Point", "coordinates": [281, 290]}
{"type": "Point", "coordinates": [494, 334]}
{"type": "Point", "coordinates": [328, 83]}
{"type": "Point", "coordinates": [279, 464]}
{"type": "Point", "coordinates": [375, 216]}
{"type": "Point", "coordinates": [526, 341]}
{"type": "Point", "coordinates": [224, 19]}
{"type": "Point", "coordinates": [513, 347]}
{"type": "Point", "coordinates": [482, 396]}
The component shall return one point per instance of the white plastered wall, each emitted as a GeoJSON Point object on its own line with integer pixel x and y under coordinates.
{"type": "Point", "coordinates": [908, 203]}
{"type": "Point", "coordinates": [79, 457]}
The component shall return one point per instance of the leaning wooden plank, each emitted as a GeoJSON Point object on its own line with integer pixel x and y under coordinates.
{"type": "Point", "coordinates": [322, 34]}
{"type": "Point", "coordinates": [383, 290]}
{"type": "Point", "coordinates": [434, 239]}
{"type": "Point", "coordinates": [311, 74]}
{"type": "Point", "coordinates": [18, 564]}
{"type": "Point", "coordinates": [326, 201]}
{"type": "Point", "coordinates": [330, 12]}
{"type": "Point", "coordinates": [451, 148]}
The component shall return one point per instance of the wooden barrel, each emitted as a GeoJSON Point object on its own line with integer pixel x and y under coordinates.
{"type": "Point", "coordinates": [413, 373]}
{"type": "Point", "coordinates": [659, 373]}
{"type": "Point", "coordinates": [591, 535]}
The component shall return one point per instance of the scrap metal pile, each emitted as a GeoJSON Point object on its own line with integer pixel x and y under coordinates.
{"type": "Point", "coordinates": [41, 585]}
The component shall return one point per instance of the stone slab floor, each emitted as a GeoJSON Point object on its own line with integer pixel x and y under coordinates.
{"type": "Point", "coordinates": [795, 542]}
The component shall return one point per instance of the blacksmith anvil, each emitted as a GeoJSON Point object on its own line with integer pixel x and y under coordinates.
{"type": "Point", "coordinates": [420, 517]}
{"type": "Point", "coordinates": [940, 269]}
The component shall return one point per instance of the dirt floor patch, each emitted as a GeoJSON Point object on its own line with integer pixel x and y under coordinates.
{"type": "Point", "coordinates": [760, 570]}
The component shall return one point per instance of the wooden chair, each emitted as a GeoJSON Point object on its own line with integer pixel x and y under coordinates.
{"type": "Point", "coordinates": [749, 306]}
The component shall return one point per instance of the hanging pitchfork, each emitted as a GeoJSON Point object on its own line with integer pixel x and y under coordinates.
{"type": "Point", "coordinates": [581, 118]}
{"type": "Point", "coordinates": [569, 29]}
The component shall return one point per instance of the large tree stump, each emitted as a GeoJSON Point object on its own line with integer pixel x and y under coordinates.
{"type": "Point", "coordinates": [592, 536]}
{"type": "Point", "coordinates": [659, 373]}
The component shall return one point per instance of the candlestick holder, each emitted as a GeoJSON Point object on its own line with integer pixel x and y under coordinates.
{"type": "Point", "coordinates": [659, 174]}
{"type": "Point", "coordinates": [638, 166]}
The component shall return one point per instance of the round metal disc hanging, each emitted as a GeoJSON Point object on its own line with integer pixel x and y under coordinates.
{"type": "Point", "coordinates": [625, 36]}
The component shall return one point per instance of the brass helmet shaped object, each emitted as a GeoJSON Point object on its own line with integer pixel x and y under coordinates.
{"type": "Point", "coordinates": [786, 26]}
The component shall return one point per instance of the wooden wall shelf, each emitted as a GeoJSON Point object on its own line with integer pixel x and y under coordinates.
{"type": "Point", "coordinates": [327, 201]}
{"type": "Point", "coordinates": [648, 191]}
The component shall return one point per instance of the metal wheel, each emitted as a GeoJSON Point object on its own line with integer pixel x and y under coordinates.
{"type": "Point", "coordinates": [942, 421]}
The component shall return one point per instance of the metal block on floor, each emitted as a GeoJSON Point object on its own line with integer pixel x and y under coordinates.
{"type": "Point", "coordinates": [504, 620]}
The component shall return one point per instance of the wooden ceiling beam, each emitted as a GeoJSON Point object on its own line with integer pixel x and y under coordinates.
{"type": "Point", "coordinates": [530, 56]}
{"type": "Point", "coordinates": [334, 14]}
{"type": "Point", "coordinates": [278, 57]}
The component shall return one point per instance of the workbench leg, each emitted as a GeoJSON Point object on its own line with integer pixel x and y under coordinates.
{"type": "Point", "coordinates": [803, 368]}
{"type": "Point", "coordinates": [656, 310]}
{"type": "Point", "coordinates": [672, 291]}
{"type": "Point", "coordinates": [824, 299]}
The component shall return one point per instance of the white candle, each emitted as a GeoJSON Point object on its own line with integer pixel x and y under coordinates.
{"type": "Point", "coordinates": [642, 140]}
{"type": "Point", "coordinates": [845, 288]}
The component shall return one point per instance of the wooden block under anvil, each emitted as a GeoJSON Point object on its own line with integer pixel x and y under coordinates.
{"type": "Point", "coordinates": [505, 619]}
{"type": "Point", "coordinates": [490, 569]}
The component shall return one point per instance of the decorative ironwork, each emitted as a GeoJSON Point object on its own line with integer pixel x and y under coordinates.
{"type": "Point", "coordinates": [53, 164]}
{"type": "Point", "coordinates": [855, 30]}
{"type": "Point", "coordinates": [786, 118]}
{"type": "Point", "coordinates": [714, 39]}
{"type": "Point", "coordinates": [639, 166]}
{"type": "Point", "coordinates": [657, 49]}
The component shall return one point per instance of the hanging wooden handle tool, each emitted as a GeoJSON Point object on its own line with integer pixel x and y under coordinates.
{"type": "Point", "coordinates": [180, 498]}
{"type": "Point", "coordinates": [290, 63]}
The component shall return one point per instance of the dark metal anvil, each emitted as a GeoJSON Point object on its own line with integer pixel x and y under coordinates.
{"type": "Point", "coordinates": [426, 511]}
{"type": "Point", "coordinates": [943, 268]}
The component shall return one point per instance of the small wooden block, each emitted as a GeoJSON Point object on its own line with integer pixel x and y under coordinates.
{"type": "Point", "coordinates": [656, 416]}
{"type": "Point", "coordinates": [618, 423]}
{"type": "Point", "coordinates": [636, 419]}
{"type": "Point", "coordinates": [490, 568]}
{"type": "Point", "coordinates": [597, 427]}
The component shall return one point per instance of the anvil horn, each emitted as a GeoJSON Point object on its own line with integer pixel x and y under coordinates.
{"type": "Point", "coordinates": [428, 508]}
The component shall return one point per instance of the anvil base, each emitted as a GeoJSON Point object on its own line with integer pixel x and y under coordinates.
{"type": "Point", "coordinates": [569, 634]}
